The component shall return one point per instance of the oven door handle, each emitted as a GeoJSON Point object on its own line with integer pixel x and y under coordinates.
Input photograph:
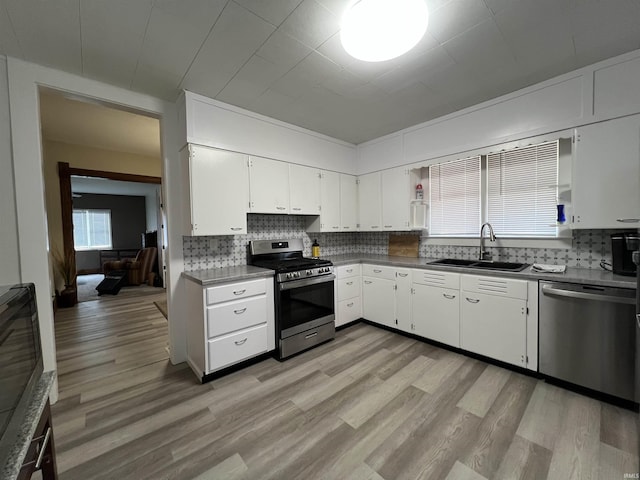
{"type": "Point", "coordinates": [303, 282]}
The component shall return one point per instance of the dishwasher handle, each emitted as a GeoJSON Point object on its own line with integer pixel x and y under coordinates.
{"type": "Point", "coordinates": [600, 297]}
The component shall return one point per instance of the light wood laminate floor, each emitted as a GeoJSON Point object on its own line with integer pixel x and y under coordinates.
{"type": "Point", "coordinates": [369, 405]}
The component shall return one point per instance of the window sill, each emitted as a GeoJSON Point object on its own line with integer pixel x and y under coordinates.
{"type": "Point", "coordinates": [559, 242]}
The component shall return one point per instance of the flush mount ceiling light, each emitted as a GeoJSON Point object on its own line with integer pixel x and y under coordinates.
{"type": "Point", "coordinates": [378, 30]}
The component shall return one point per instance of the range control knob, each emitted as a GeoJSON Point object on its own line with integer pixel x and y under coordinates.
{"type": "Point", "coordinates": [288, 275]}
{"type": "Point", "coordinates": [309, 272]}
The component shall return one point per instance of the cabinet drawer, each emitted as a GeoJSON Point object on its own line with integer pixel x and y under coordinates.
{"type": "Point", "coordinates": [502, 287]}
{"type": "Point", "coordinates": [233, 316]}
{"type": "Point", "coordinates": [349, 310]}
{"type": "Point", "coordinates": [436, 278]}
{"type": "Point", "coordinates": [347, 271]}
{"type": "Point", "coordinates": [233, 291]}
{"type": "Point", "coordinates": [348, 287]}
{"type": "Point", "coordinates": [239, 346]}
{"type": "Point", "coordinates": [379, 272]}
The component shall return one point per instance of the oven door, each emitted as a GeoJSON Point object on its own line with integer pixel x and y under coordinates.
{"type": "Point", "coordinates": [304, 304]}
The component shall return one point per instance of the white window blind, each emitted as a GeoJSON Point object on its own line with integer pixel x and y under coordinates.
{"type": "Point", "coordinates": [522, 191]}
{"type": "Point", "coordinates": [454, 198]}
{"type": "Point", "coordinates": [91, 229]}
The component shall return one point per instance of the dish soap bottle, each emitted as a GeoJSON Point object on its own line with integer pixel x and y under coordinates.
{"type": "Point", "coordinates": [315, 249]}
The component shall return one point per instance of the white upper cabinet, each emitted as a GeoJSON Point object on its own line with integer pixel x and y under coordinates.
{"type": "Point", "coordinates": [348, 203]}
{"type": "Point", "coordinates": [370, 202]}
{"type": "Point", "coordinates": [396, 198]}
{"type": "Point", "coordinates": [606, 175]}
{"type": "Point", "coordinates": [269, 185]}
{"type": "Point", "coordinates": [217, 186]}
{"type": "Point", "coordinates": [330, 201]}
{"type": "Point", "coordinates": [304, 187]}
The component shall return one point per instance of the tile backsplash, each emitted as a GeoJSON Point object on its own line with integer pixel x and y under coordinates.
{"type": "Point", "coordinates": [589, 248]}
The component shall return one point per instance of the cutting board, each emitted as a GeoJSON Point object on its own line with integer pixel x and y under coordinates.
{"type": "Point", "coordinates": [404, 245]}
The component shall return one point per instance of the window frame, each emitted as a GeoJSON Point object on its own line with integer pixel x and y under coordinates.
{"type": "Point", "coordinates": [89, 248]}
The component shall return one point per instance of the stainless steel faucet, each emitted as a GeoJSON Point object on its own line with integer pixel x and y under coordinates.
{"type": "Point", "coordinates": [484, 255]}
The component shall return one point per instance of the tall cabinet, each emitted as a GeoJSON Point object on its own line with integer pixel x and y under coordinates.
{"type": "Point", "coordinates": [370, 202]}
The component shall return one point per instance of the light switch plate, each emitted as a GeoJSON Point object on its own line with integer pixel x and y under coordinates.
{"type": "Point", "coordinates": [213, 243]}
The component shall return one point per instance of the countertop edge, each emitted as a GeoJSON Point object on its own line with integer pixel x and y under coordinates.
{"type": "Point", "coordinates": [16, 457]}
{"type": "Point", "coordinates": [572, 275]}
{"type": "Point", "coordinates": [225, 275]}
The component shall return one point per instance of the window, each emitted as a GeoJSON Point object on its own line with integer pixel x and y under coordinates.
{"type": "Point", "coordinates": [454, 198]}
{"type": "Point", "coordinates": [522, 191]}
{"type": "Point", "coordinates": [92, 229]}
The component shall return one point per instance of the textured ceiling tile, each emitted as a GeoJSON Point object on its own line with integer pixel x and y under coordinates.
{"type": "Point", "coordinates": [273, 11]}
{"type": "Point", "coordinates": [236, 36]}
{"type": "Point", "coordinates": [283, 50]}
{"type": "Point", "coordinates": [111, 42]}
{"type": "Point", "coordinates": [253, 79]}
{"type": "Point", "coordinates": [593, 48]}
{"type": "Point", "coordinates": [8, 41]}
{"type": "Point", "coordinates": [454, 17]}
{"type": "Point", "coordinates": [480, 48]}
{"type": "Point", "coordinates": [48, 32]}
{"type": "Point", "coordinates": [311, 23]}
{"type": "Point", "coordinates": [342, 82]}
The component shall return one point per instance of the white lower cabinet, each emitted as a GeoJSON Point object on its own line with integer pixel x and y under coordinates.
{"type": "Point", "coordinates": [228, 323]}
{"type": "Point", "coordinates": [379, 300]}
{"type": "Point", "coordinates": [493, 318]}
{"type": "Point", "coordinates": [436, 306]}
{"type": "Point", "coordinates": [403, 299]}
{"type": "Point", "coordinates": [348, 294]}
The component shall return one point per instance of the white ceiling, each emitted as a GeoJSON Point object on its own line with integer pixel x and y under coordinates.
{"type": "Point", "coordinates": [283, 58]}
{"type": "Point", "coordinates": [78, 122]}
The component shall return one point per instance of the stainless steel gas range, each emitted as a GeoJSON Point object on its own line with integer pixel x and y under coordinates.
{"type": "Point", "coordinates": [304, 294]}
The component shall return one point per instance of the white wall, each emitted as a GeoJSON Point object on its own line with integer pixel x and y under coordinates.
{"type": "Point", "coordinates": [24, 80]}
{"type": "Point", "coordinates": [592, 94]}
{"type": "Point", "coordinates": [9, 252]}
{"type": "Point", "coordinates": [216, 124]}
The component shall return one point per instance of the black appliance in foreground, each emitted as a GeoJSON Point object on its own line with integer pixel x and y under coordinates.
{"type": "Point", "coordinates": [304, 294]}
{"type": "Point", "coordinates": [622, 247]}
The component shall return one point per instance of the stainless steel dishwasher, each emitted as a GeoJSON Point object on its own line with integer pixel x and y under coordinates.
{"type": "Point", "coordinates": [587, 336]}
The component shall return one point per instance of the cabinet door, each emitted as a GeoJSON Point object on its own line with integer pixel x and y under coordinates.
{"type": "Point", "coordinates": [304, 187]}
{"type": "Point", "coordinates": [494, 326]}
{"type": "Point", "coordinates": [348, 203]}
{"type": "Point", "coordinates": [378, 300]}
{"type": "Point", "coordinates": [219, 191]}
{"type": "Point", "coordinates": [436, 313]}
{"type": "Point", "coordinates": [403, 299]}
{"type": "Point", "coordinates": [396, 198]}
{"type": "Point", "coordinates": [269, 185]}
{"type": "Point", "coordinates": [370, 202]}
{"type": "Point", "coordinates": [606, 175]}
{"type": "Point", "coordinates": [330, 202]}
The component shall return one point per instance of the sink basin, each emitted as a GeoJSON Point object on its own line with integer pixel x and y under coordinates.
{"type": "Point", "coordinates": [454, 262]}
{"type": "Point", "coordinates": [483, 265]}
{"type": "Point", "coordinates": [504, 266]}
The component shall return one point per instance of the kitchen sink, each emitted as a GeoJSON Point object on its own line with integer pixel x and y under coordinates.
{"type": "Point", "coordinates": [482, 265]}
{"type": "Point", "coordinates": [454, 262]}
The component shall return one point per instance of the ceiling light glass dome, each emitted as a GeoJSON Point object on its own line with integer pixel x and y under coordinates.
{"type": "Point", "coordinates": [378, 30]}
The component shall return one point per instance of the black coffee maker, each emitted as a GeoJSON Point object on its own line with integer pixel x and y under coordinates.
{"type": "Point", "coordinates": [622, 247]}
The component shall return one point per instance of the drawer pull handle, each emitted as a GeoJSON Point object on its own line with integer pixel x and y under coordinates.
{"type": "Point", "coordinates": [239, 292]}
{"type": "Point", "coordinates": [242, 310]}
{"type": "Point", "coordinates": [388, 226]}
{"type": "Point", "coordinates": [350, 304]}
{"type": "Point", "coordinates": [349, 270]}
{"type": "Point", "coordinates": [346, 228]}
{"type": "Point", "coordinates": [368, 282]}
{"type": "Point", "coordinates": [375, 226]}
{"type": "Point", "coordinates": [402, 274]}
{"type": "Point", "coordinates": [473, 300]}
{"type": "Point", "coordinates": [377, 271]}
{"type": "Point", "coordinates": [349, 283]}
{"type": "Point", "coordinates": [450, 297]}
{"type": "Point", "coordinates": [297, 209]}
{"type": "Point", "coordinates": [235, 229]}
{"type": "Point", "coordinates": [335, 227]}
{"type": "Point", "coordinates": [241, 342]}
{"type": "Point", "coordinates": [628, 220]}
{"type": "Point", "coordinates": [43, 448]}
{"type": "Point", "coordinates": [311, 335]}
{"type": "Point", "coordinates": [281, 208]}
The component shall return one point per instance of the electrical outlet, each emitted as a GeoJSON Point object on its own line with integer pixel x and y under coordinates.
{"type": "Point", "coordinates": [213, 243]}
